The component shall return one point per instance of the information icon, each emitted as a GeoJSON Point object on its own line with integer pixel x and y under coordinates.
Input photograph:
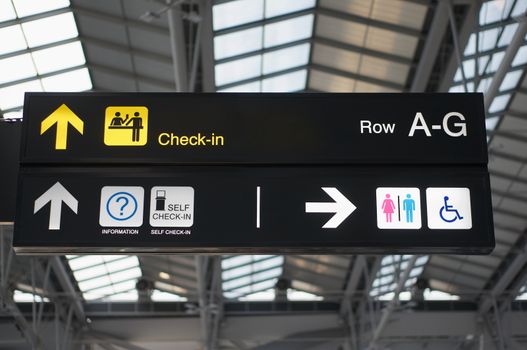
{"type": "Point", "coordinates": [121, 206]}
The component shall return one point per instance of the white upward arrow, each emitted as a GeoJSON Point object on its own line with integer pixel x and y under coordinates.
{"type": "Point", "coordinates": [56, 195]}
{"type": "Point", "coordinates": [341, 206]}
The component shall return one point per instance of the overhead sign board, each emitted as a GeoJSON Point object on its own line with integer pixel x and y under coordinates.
{"type": "Point", "coordinates": [254, 129]}
{"type": "Point", "coordinates": [247, 173]}
{"type": "Point", "coordinates": [336, 209]}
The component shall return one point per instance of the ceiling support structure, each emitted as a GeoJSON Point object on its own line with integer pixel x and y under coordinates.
{"type": "Point", "coordinates": [506, 278]}
{"type": "Point", "coordinates": [209, 298]}
{"type": "Point", "coordinates": [207, 46]}
{"type": "Point", "coordinates": [67, 286]}
{"type": "Point", "coordinates": [469, 24]}
{"type": "Point", "coordinates": [388, 310]}
{"type": "Point", "coordinates": [178, 46]}
{"type": "Point", "coordinates": [506, 62]}
{"type": "Point", "coordinates": [433, 43]}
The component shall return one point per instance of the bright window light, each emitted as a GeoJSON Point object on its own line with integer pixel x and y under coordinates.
{"type": "Point", "coordinates": [521, 56]}
{"type": "Point", "coordinates": [59, 57]}
{"type": "Point", "coordinates": [237, 43]}
{"type": "Point", "coordinates": [430, 294]}
{"type": "Point", "coordinates": [249, 274]}
{"type": "Point", "coordinates": [12, 39]}
{"type": "Point", "coordinates": [499, 103]}
{"type": "Point", "coordinates": [30, 7]}
{"type": "Point", "coordinates": [286, 58]}
{"type": "Point", "coordinates": [297, 295]}
{"type": "Point", "coordinates": [78, 80]}
{"type": "Point", "coordinates": [106, 277]}
{"type": "Point", "coordinates": [6, 11]}
{"type": "Point", "coordinates": [290, 82]}
{"type": "Point", "coordinates": [23, 297]}
{"type": "Point", "coordinates": [280, 7]}
{"type": "Point", "coordinates": [511, 80]}
{"type": "Point", "coordinates": [160, 296]}
{"type": "Point", "coordinates": [237, 12]}
{"type": "Point", "coordinates": [13, 96]}
{"type": "Point", "coordinates": [50, 29]}
{"type": "Point", "coordinates": [16, 68]}
{"type": "Point", "coordinates": [286, 31]}
{"type": "Point", "coordinates": [244, 68]}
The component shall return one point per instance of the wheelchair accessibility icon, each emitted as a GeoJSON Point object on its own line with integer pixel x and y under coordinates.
{"type": "Point", "coordinates": [448, 213]}
{"type": "Point", "coordinates": [448, 208]}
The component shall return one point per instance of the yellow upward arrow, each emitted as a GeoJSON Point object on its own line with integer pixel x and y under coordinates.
{"type": "Point", "coordinates": [62, 116]}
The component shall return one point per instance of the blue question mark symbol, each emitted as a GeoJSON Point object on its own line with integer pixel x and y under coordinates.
{"type": "Point", "coordinates": [126, 201]}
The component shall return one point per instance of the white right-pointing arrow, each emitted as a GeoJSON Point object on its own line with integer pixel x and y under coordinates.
{"type": "Point", "coordinates": [341, 206]}
{"type": "Point", "coordinates": [55, 195]}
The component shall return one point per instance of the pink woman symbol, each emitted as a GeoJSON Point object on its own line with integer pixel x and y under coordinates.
{"type": "Point", "coordinates": [388, 207]}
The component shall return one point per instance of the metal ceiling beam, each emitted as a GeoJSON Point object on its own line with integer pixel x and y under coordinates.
{"type": "Point", "coordinates": [505, 278]}
{"type": "Point", "coordinates": [67, 286]}
{"type": "Point", "coordinates": [359, 264]}
{"type": "Point", "coordinates": [35, 17]}
{"type": "Point", "coordinates": [469, 25]}
{"type": "Point", "coordinates": [433, 41]}
{"type": "Point", "coordinates": [510, 53]}
{"type": "Point", "coordinates": [207, 46]}
{"type": "Point", "coordinates": [388, 310]}
{"type": "Point", "coordinates": [178, 46]}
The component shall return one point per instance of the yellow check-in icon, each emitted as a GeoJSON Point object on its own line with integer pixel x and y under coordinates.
{"type": "Point", "coordinates": [126, 126]}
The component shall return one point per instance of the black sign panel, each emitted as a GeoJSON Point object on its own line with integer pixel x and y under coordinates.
{"type": "Point", "coordinates": [287, 129]}
{"type": "Point", "coordinates": [254, 173]}
{"type": "Point", "coordinates": [242, 209]}
{"type": "Point", "coordinates": [9, 146]}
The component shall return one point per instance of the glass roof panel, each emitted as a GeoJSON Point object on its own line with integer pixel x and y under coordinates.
{"type": "Point", "coordinates": [59, 57]}
{"type": "Point", "coordinates": [7, 12]}
{"type": "Point", "coordinates": [248, 274]}
{"type": "Point", "coordinates": [12, 39]}
{"type": "Point", "coordinates": [286, 58]}
{"type": "Point", "coordinates": [13, 96]}
{"type": "Point", "coordinates": [241, 69]}
{"type": "Point", "coordinates": [494, 11]}
{"type": "Point", "coordinates": [280, 7]}
{"type": "Point", "coordinates": [45, 64]}
{"type": "Point", "coordinates": [289, 30]}
{"type": "Point", "coordinates": [27, 7]}
{"type": "Point", "coordinates": [290, 82]}
{"type": "Point", "coordinates": [391, 267]}
{"type": "Point", "coordinates": [237, 43]}
{"type": "Point", "coordinates": [16, 68]}
{"type": "Point", "coordinates": [78, 80]}
{"type": "Point", "coordinates": [511, 80]}
{"type": "Point", "coordinates": [263, 67]}
{"type": "Point", "coordinates": [106, 277]}
{"type": "Point", "coordinates": [237, 12]}
{"type": "Point", "coordinates": [50, 29]}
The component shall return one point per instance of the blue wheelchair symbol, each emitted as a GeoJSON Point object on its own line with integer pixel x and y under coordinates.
{"type": "Point", "coordinates": [451, 213]}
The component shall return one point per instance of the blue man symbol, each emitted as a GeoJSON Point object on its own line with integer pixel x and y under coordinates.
{"type": "Point", "coordinates": [121, 206]}
{"type": "Point", "coordinates": [409, 207]}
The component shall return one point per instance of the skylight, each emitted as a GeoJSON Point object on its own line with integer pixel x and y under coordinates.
{"type": "Point", "coordinates": [265, 46]}
{"type": "Point", "coordinates": [485, 50]}
{"type": "Point", "coordinates": [106, 277]}
{"type": "Point", "coordinates": [393, 266]}
{"type": "Point", "coordinates": [244, 275]}
{"type": "Point", "coordinates": [40, 53]}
